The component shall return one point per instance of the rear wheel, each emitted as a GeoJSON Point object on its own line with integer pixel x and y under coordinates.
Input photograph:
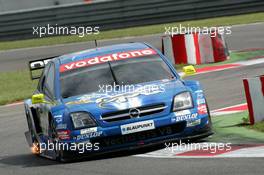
{"type": "Point", "coordinates": [35, 149]}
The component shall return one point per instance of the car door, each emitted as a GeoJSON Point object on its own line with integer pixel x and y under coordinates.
{"type": "Point", "coordinates": [47, 86]}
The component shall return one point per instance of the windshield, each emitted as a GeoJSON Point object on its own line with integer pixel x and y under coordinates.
{"type": "Point", "coordinates": [129, 71]}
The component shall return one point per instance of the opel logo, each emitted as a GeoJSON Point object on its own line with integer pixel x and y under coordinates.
{"type": "Point", "coordinates": [134, 113]}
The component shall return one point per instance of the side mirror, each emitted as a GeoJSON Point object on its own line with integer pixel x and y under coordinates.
{"type": "Point", "coordinates": [189, 70]}
{"type": "Point", "coordinates": [38, 98]}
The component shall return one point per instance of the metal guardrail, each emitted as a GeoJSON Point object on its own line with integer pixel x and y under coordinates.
{"type": "Point", "coordinates": [121, 14]}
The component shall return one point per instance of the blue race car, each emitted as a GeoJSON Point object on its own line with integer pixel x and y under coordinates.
{"type": "Point", "coordinates": [111, 98]}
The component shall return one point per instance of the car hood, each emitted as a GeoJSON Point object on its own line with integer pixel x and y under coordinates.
{"type": "Point", "coordinates": [142, 95]}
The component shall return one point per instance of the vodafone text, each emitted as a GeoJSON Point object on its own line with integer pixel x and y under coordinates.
{"type": "Point", "coordinates": [106, 58]}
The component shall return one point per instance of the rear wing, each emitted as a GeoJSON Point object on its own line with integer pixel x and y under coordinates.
{"type": "Point", "coordinates": [36, 67]}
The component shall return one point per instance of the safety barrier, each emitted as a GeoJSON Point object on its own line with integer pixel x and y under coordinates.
{"type": "Point", "coordinates": [195, 48]}
{"type": "Point", "coordinates": [254, 90]}
{"type": "Point", "coordinates": [120, 14]}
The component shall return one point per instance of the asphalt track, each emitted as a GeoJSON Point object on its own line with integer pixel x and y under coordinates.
{"type": "Point", "coordinates": [242, 37]}
{"type": "Point", "coordinates": [223, 88]}
{"type": "Point", "coordinates": [15, 158]}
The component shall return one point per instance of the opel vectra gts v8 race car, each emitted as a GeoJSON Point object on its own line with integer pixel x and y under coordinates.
{"type": "Point", "coordinates": [111, 98]}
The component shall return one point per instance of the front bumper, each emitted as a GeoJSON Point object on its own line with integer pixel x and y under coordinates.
{"type": "Point", "coordinates": [71, 155]}
{"type": "Point", "coordinates": [165, 131]}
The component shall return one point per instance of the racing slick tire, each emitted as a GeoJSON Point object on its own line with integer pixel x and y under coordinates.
{"type": "Point", "coordinates": [209, 115]}
{"type": "Point", "coordinates": [35, 145]}
{"type": "Point", "coordinates": [53, 135]}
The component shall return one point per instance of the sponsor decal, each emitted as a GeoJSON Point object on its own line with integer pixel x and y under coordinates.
{"type": "Point", "coordinates": [88, 130]}
{"type": "Point", "coordinates": [165, 80]}
{"type": "Point", "coordinates": [106, 102]}
{"type": "Point", "coordinates": [184, 115]}
{"type": "Point", "coordinates": [202, 109]}
{"type": "Point", "coordinates": [200, 94]}
{"type": "Point", "coordinates": [78, 102]}
{"type": "Point", "coordinates": [183, 112]}
{"type": "Point", "coordinates": [106, 58]}
{"type": "Point", "coordinates": [200, 101]}
{"type": "Point", "coordinates": [89, 135]}
{"type": "Point", "coordinates": [113, 100]}
{"type": "Point", "coordinates": [137, 137]}
{"type": "Point", "coordinates": [137, 127]}
{"type": "Point", "coordinates": [85, 99]}
{"type": "Point", "coordinates": [58, 118]}
{"type": "Point", "coordinates": [64, 134]}
{"type": "Point", "coordinates": [61, 126]}
{"type": "Point", "coordinates": [193, 123]}
{"type": "Point", "coordinates": [200, 97]}
{"type": "Point", "coordinates": [39, 64]}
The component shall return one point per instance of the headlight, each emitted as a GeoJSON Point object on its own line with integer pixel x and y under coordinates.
{"type": "Point", "coordinates": [82, 120]}
{"type": "Point", "coordinates": [182, 101]}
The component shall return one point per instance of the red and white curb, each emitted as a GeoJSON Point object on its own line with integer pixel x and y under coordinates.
{"type": "Point", "coordinates": [230, 110]}
{"type": "Point", "coordinates": [227, 66]}
{"type": "Point", "coordinates": [230, 66]}
{"type": "Point", "coordinates": [208, 150]}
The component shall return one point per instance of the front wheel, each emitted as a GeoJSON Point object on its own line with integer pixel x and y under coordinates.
{"type": "Point", "coordinates": [54, 139]}
{"type": "Point", "coordinates": [209, 115]}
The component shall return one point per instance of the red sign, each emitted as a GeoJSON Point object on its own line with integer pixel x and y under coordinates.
{"type": "Point", "coordinates": [202, 109]}
{"type": "Point", "coordinates": [105, 58]}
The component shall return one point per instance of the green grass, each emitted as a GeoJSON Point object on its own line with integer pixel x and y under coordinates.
{"type": "Point", "coordinates": [234, 57]}
{"type": "Point", "coordinates": [258, 126]}
{"type": "Point", "coordinates": [17, 85]}
{"type": "Point", "coordinates": [231, 128]}
{"type": "Point", "coordinates": [134, 31]}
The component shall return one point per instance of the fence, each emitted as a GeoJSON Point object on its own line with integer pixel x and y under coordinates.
{"type": "Point", "coordinates": [121, 14]}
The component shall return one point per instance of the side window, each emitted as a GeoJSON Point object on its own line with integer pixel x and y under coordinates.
{"type": "Point", "coordinates": [49, 82]}
{"type": "Point", "coordinates": [42, 78]}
